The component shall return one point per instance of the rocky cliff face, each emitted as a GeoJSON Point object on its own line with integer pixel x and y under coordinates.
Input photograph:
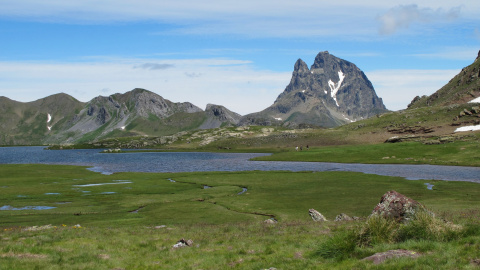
{"type": "Point", "coordinates": [329, 93]}
{"type": "Point", "coordinates": [462, 88]}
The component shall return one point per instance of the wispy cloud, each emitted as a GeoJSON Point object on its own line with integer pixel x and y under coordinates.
{"type": "Point", "coordinates": [466, 53]}
{"type": "Point", "coordinates": [154, 66]}
{"type": "Point", "coordinates": [401, 17]}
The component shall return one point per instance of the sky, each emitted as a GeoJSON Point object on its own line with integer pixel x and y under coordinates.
{"type": "Point", "coordinates": [239, 54]}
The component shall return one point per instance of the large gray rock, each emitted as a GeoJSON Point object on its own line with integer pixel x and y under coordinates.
{"type": "Point", "coordinates": [397, 206]}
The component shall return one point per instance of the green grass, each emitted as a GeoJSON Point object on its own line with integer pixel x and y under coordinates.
{"type": "Point", "coordinates": [457, 153]}
{"type": "Point", "coordinates": [227, 229]}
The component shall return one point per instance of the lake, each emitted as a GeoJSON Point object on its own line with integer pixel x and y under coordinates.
{"type": "Point", "coordinates": [201, 161]}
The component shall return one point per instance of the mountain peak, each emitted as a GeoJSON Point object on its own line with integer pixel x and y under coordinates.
{"type": "Point", "coordinates": [332, 92]}
{"type": "Point", "coordinates": [300, 66]}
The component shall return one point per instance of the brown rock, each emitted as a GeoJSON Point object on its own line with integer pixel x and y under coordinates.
{"type": "Point", "coordinates": [397, 206]}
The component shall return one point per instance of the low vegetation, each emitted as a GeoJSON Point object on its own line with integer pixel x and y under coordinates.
{"type": "Point", "coordinates": [132, 220]}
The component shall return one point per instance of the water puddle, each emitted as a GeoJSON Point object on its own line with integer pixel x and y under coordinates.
{"type": "Point", "coordinates": [21, 196]}
{"type": "Point", "coordinates": [205, 187]}
{"type": "Point", "coordinates": [10, 208]}
{"type": "Point", "coordinates": [117, 182]}
{"type": "Point", "coordinates": [136, 210]}
{"type": "Point", "coordinates": [62, 202]}
{"type": "Point", "coordinates": [108, 192]}
{"type": "Point", "coordinates": [171, 180]}
{"type": "Point", "coordinates": [429, 186]}
{"type": "Point", "coordinates": [52, 193]}
{"type": "Point", "coordinates": [243, 191]}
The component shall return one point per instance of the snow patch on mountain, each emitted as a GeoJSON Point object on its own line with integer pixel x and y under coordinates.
{"type": "Point", "coordinates": [477, 100]}
{"type": "Point", "coordinates": [334, 87]}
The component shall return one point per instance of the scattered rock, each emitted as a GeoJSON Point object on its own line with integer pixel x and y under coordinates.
{"type": "Point", "coordinates": [183, 243]}
{"type": "Point", "coordinates": [39, 228]}
{"type": "Point", "coordinates": [397, 206]}
{"type": "Point", "coordinates": [270, 221]}
{"type": "Point", "coordinates": [343, 217]}
{"type": "Point", "coordinates": [316, 216]}
{"type": "Point", "coordinates": [379, 258]}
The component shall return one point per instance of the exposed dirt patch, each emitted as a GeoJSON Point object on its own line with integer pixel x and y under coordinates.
{"type": "Point", "coordinates": [23, 255]}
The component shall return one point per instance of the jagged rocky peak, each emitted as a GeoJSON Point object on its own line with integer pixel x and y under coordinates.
{"type": "Point", "coordinates": [332, 92]}
{"type": "Point", "coordinates": [300, 66]}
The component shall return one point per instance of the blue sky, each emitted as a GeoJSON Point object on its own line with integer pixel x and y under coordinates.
{"type": "Point", "coordinates": [239, 54]}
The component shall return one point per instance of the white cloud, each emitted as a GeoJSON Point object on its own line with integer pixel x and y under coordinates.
{"type": "Point", "coordinates": [463, 53]}
{"type": "Point", "coordinates": [232, 83]}
{"type": "Point", "coordinates": [397, 88]}
{"type": "Point", "coordinates": [403, 16]}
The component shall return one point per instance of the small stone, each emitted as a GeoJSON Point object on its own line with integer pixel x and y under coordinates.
{"type": "Point", "coordinates": [270, 221]}
{"type": "Point", "coordinates": [316, 216]}
{"type": "Point", "coordinates": [343, 217]}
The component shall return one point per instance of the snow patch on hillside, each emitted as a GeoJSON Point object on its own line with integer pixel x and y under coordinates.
{"type": "Point", "coordinates": [468, 128]}
{"type": "Point", "coordinates": [477, 100]}
{"type": "Point", "coordinates": [334, 87]}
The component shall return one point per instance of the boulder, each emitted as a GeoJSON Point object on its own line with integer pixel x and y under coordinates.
{"type": "Point", "coordinates": [316, 216]}
{"type": "Point", "coordinates": [397, 206]}
{"type": "Point", "coordinates": [343, 217]}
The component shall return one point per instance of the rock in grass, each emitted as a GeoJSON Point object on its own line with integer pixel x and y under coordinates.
{"type": "Point", "coordinates": [343, 217]}
{"type": "Point", "coordinates": [183, 243]}
{"type": "Point", "coordinates": [316, 216]}
{"type": "Point", "coordinates": [270, 221]}
{"type": "Point", "coordinates": [378, 258]}
{"type": "Point", "coordinates": [397, 206]}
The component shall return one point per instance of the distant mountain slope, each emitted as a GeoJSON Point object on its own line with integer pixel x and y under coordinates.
{"type": "Point", "coordinates": [62, 119]}
{"type": "Point", "coordinates": [31, 122]}
{"type": "Point", "coordinates": [331, 93]}
{"type": "Point", "coordinates": [462, 88]}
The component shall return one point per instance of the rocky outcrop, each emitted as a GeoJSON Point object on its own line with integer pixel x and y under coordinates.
{"type": "Point", "coordinates": [316, 216]}
{"type": "Point", "coordinates": [397, 206]}
{"type": "Point", "coordinates": [332, 92]}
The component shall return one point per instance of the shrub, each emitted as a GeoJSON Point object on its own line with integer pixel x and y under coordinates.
{"type": "Point", "coordinates": [339, 245]}
{"type": "Point", "coordinates": [376, 230]}
{"type": "Point", "coordinates": [426, 226]}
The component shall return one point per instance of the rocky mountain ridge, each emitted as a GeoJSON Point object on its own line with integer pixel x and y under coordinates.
{"type": "Point", "coordinates": [61, 118]}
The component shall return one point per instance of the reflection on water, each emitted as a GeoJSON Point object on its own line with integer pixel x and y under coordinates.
{"type": "Point", "coordinates": [194, 162]}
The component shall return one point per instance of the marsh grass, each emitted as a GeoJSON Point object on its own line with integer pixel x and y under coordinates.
{"type": "Point", "coordinates": [227, 229]}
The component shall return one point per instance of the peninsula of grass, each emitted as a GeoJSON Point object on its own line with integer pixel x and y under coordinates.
{"type": "Point", "coordinates": [460, 153]}
{"type": "Point", "coordinates": [132, 220]}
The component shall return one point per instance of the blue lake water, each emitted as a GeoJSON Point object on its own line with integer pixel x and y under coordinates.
{"type": "Point", "coordinates": [199, 161]}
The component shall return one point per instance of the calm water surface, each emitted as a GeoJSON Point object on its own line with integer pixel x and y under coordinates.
{"type": "Point", "coordinates": [199, 161]}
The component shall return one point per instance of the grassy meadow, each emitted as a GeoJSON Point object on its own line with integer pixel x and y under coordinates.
{"type": "Point", "coordinates": [132, 220]}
